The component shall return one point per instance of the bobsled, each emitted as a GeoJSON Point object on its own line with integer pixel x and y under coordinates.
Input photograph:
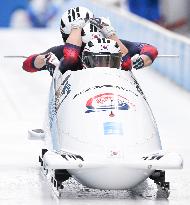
{"type": "Point", "coordinates": [100, 130]}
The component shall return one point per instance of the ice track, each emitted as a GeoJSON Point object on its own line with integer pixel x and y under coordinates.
{"type": "Point", "coordinates": [22, 105]}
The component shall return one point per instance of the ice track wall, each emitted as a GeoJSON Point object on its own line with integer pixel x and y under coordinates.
{"type": "Point", "coordinates": [134, 28]}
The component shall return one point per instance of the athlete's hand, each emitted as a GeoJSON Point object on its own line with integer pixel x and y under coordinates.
{"type": "Point", "coordinates": [104, 25]}
{"type": "Point", "coordinates": [51, 62]}
{"type": "Point", "coordinates": [137, 62]}
{"type": "Point", "coordinates": [79, 23]}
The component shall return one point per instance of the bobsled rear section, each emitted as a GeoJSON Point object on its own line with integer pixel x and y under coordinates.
{"type": "Point", "coordinates": [101, 131]}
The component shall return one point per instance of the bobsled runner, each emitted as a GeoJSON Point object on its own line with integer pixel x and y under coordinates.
{"type": "Point", "coordinates": [100, 130]}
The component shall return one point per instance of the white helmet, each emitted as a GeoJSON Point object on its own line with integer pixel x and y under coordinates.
{"type": "Point", "coordinates": [88, 32]}
{"type": "Point", "coordinates": [102, 52]}
{"type": "Point", "coordinates": [71, 15]}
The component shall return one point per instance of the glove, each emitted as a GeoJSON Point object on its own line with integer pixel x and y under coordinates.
{"type": "Point", "coordinates": [104, 25]}
{"type": "Point", "coordinates": [137, 61]}
{"type": "Point", "coordinates": [79, 23]}
{"type": "Point", "coordinates": [51, 62]}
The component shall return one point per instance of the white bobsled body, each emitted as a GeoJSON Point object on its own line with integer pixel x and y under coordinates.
{"type": "Point", "coordinates": [100, 128]}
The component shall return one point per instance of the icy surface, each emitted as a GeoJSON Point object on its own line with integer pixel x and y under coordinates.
{"type": "Point", "coordinates": [22, 105]}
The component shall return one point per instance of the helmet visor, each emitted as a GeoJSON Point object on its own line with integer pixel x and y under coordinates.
{"type": "Point", "coordinates": [102, 60]}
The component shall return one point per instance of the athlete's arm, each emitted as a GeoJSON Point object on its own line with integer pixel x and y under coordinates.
{"type": "Point", "coordinates": [146, 53]}
{"type": "Point", "coordinates": [37, 62]}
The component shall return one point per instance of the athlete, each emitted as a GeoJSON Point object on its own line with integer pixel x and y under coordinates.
{"type": "Point", "coordinates": [78, 26]}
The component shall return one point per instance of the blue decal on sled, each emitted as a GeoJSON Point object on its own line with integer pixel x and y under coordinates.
{"type": "Point", "coordinates": [113, 128]}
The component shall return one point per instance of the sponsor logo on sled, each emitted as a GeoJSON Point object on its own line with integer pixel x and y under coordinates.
{"type": "Point", "coordinates": [106, 101]}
